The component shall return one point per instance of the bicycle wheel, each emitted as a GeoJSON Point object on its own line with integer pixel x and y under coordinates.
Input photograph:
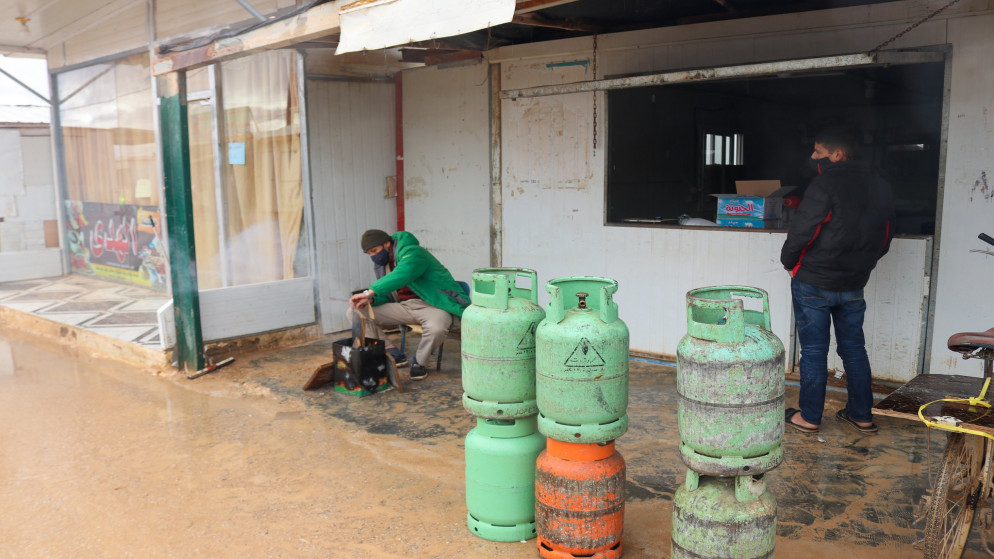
{"type": "Point", "coordinates": [950, 508]}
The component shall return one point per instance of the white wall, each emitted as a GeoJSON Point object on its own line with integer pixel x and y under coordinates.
{"type": "Point", "coordinates": [351, 135]}
{"type": "Point", "coordinates": [962, 299]}
{"type": "Point", "coordinates": [27, 206]}
{"type": "Point", "coordinates": [447, 164]}
{"type": "Point", "coordinates": [553, 177]}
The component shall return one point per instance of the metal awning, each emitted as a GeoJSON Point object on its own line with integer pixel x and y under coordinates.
{"type": "Point", "coordinates": [379, 24]}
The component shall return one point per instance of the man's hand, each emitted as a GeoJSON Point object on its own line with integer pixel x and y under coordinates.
{"type": "Point", "coordinates": [360, 300]}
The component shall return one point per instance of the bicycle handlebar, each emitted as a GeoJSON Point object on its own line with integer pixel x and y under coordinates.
{"type": "Point", "coordinates": [986, 238]}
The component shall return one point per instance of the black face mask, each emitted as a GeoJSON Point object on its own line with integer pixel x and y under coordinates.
{"type": "Point", "coordinates": [381, 258]}
{"type": "Point", "coordinates": [820, 165]}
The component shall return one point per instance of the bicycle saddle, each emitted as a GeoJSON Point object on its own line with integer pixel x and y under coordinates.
{"type": "Point", "coordinates": [968, 342]}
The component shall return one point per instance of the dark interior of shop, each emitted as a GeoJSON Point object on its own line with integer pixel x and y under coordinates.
{"type": "Point", "coordinates": [658, 168]}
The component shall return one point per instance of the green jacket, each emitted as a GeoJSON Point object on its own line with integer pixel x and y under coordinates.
{"type": "Point", "coordinates": [419, 270]}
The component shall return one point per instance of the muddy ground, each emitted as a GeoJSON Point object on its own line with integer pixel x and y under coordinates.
{"type": "Point", "coordinates": [103, 460]}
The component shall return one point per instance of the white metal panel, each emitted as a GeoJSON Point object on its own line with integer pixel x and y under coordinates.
{"type": "Point", "coordinates": [231, 312]}
{"type": "Point", "coordinates": [351, 134]}
{"type": "Point", "coordinates": [37, 156]}
{"type": "Point", "coordinates": [894, 305]}
{"type": "Point", "coordinates": [962, 299]}
{"type": "Point", "coordinates": [12, 178]}
{"type": "Point", "coordinates": [30, 264]}
{"type": "Point", "coordinates": [243, 310]}
{"type": "Point", "coordinates": [375, 25]}
{"type": "Point", "coordinates": [447, 164]}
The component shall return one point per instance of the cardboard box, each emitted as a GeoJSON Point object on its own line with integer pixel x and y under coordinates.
{"type": "Point", "coordinates": [747, 222]}
{"type": "Point", "coordinates": [753, 200]}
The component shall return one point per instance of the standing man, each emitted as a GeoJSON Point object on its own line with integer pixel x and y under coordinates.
{"type": "Point", "coordinates": [843, 226]}
{"type": "Point", "coordinates": [412, 287]}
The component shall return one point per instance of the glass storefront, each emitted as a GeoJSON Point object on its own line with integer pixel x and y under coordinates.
{"type": "Point", "coordinates": [245, 166]}
{"type": "Point", "coordinates": [111, 175]}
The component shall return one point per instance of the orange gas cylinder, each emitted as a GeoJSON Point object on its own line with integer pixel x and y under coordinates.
{"type": "Point", "coordinates": [579, 500]}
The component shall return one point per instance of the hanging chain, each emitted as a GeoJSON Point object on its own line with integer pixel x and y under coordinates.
{"type": "Point", "coordinates": [595, 92]}
{"type": "Point", "coordinates": [914, 25]}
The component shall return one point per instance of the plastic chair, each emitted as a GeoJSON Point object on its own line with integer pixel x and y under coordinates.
{"type": "Point", "coordinates": [417, 328]}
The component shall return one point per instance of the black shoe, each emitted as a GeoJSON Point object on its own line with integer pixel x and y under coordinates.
{"type": "Point", "coordinates": [399, 358]}
{"type": "Point", "coordinates": [418, 372]}
{"type": "Point", "coordinates": [843, 416]}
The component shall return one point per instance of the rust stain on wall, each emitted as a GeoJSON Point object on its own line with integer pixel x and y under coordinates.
{"type": "Point", "coordinates": [981, 187]}
{"type": "Point", "coordinates": [415, 187]}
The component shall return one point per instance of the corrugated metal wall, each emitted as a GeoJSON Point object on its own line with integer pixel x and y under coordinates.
{"type": "Point", "coordinates": [447, 164]}
{"type": "Point", "coordinates": [351, 138]}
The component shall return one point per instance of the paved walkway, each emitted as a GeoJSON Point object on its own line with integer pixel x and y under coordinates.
{"type": "Point", "coordinates": [118, 311]}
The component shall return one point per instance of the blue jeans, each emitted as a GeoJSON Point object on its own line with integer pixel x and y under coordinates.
{"type": "Point", "coordinates": [814, 311]}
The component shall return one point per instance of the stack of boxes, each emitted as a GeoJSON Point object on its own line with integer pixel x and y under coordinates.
{"type": "Point", "coordinates": [755, 205]}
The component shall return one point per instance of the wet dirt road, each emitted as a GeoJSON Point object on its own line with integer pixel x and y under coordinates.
{"type": "Point", "coordinates": [98, 460]}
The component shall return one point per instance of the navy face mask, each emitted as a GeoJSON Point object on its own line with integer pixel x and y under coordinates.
{"type": "Point", "coordinates": [381, 258]}
{"type": "Point", "coordinates": [820, 165]}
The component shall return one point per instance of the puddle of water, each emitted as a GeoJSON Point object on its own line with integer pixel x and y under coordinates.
{"type": "Point", "coordinates": [100, 461]}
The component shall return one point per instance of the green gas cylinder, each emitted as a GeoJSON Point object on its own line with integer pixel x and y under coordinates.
{"type": "Point", "coordinates": [500, 478]}
{"type": "Point", "coordinates": [732, 518]}
{"type": "Point", "coordinates": [730, 381]}
{"type": "Point", "coordinates": [498, 343]}
{"type": "Point", "coordinates": [581, 364]}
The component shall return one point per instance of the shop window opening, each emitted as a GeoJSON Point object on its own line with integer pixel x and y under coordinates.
{"type": "Point", "coordinates": [672, 148]}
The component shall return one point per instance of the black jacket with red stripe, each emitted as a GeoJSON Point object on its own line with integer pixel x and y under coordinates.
{"type": "Point", "coordinates": [843, 226]}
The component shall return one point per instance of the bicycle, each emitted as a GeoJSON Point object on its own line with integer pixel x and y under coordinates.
{"type": "Point", "coordinates": [965, 481]}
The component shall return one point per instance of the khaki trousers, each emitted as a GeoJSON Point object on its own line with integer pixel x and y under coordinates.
{"type": "Point", "coordinates": [435, 323]}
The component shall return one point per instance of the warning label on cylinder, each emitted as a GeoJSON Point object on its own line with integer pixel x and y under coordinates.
{"type": "Point", "coordinates": [527, 343]}
{"type": "Point", "coordinates": [584, 355]}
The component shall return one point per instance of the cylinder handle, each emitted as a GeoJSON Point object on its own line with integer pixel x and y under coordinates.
{"type": "Point", "coordinates": [718, 313]}
{"type": "Point", "coordinates": [493, 287]}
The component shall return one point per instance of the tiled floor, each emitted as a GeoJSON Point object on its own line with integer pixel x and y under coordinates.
{"type": "Point", "coordinates": [119, 311]}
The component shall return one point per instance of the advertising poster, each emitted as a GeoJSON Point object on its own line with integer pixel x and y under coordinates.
{"type": "Point", "coordinates": [118, 242]}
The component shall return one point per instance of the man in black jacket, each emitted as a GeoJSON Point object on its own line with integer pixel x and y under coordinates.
{"type": "Point", "coordinates": [843, 226]}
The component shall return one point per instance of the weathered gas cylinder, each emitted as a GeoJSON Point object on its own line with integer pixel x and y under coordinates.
{"type": "Point", "coordinates": [730, 379]}
{"type": "Point", "coordinates": [579, 500]}
{"type": "Point", "coordinates": [581, 363]}
{"type": "Point", "coordinates": [498, 344]}
{"type": "Point", "coordinates": [500, 478]}
{"type": "Point", "coordinates": [732, 518]}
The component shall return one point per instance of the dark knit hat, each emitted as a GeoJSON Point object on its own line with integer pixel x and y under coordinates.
{"type": "Point", "coordinates": [374, 238]}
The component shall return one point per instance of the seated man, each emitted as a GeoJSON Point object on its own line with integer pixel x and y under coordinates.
{"type": "Point", "coordinates": [413, 287]}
